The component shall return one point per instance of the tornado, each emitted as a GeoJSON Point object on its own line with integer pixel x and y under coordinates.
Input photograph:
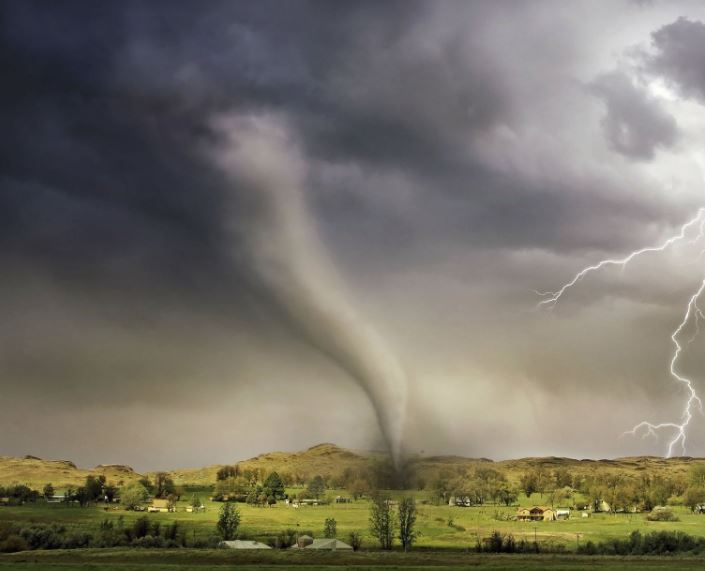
{"type": "Point", "coordinates": [263, 162]}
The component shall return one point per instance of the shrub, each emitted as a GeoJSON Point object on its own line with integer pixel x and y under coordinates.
{"type": "Point", "coordinates": [13, 544]}
{"type": "Point", "coordinates": [662, 514]}
{"type": "Point", "coordinates": [355, 540]}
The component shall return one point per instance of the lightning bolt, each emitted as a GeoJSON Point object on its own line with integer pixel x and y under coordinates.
{"type": "Point", "coordinates": [692, 313]}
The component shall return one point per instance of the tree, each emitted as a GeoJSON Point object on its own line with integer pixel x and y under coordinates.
{"type": "Point", "coordinates": [528, 483]}
{"type": "Point", "coordinates": [694, 496]}
{"type": "Point", "coordinates": [195, 502]}
{"type": "Point", "coordinates": [163, 485]}
{"type": "Point", "coordinates": [562, 478]}
{"type": "Point", "coordinates": [382, 521]}
{"type": "Point", "coordinates": [133, 495]}
{"type": "Point", "coordinates": [407, 520]}
{"type": "Point", "coordinates": [507, 496]}
{"type": "Point", "coordinates": [93, 488]}
{"type": "Point", "coordinates": [359, 487]}
{"type": "Point", "coordinates": [273, 486]}
{"type": "Point", "coordinates": [228, 522]}
{"type": "Point", "coordinates": [317, 487]}
{"type": "Point", "coordinates": [330, 528]}
{"type": "Point", "coordinates": [48, 491]}
{"type": "Point", "coordinates": [110, 492]}
{"type": "Point", "coordinates": [227, 472]}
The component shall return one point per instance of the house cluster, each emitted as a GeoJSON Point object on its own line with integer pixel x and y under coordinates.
{"type": "Point", "coordinates": [542, 513]}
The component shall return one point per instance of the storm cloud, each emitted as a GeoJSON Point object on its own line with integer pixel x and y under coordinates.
{"type": "Point", "coordinates": [446, 160]}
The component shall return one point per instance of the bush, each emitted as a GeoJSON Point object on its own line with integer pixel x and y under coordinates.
{"type": "Point", "coordinates": [656, 543]}
{"type": "Point", "coordinates": [43, 536]}
{"type": "Point", "coordinates": [662, 514]}
{"type": "Point", "coordinates": [13, 544]}
{"type": "Point", "coordinates": [355, 540]}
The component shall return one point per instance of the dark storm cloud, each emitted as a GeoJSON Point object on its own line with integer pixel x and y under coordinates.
{"type": "Point", "coordinates": [679, 49]}
{"type": "Point", "coordinates": [429, 132]}
{"type": "Point", "coordinates": [635, 124]}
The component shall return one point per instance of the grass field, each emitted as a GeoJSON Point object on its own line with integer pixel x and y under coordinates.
{"type": "Point", "coordinates": [187, 559]}
{"type": "Point", "coordinates": [469, 524]}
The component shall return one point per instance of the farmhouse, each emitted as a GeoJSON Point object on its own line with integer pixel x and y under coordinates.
{"type": "Point", "coordinates": [160, 505]}
{"type": "Point", "coordinates": [243, 544]}
{"type": "Point", "coordinates": [536, 513]}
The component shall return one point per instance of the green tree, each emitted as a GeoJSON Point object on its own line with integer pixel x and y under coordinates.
{"type": "Point", "coordinates": [273, 486]}
{"type": "Point", "coordinates": [163, 485]}
{"type": "Point", "coordinates": [317, 487]}
{"type": "Point", "coordinates": [227, 472]}
{"type": "Point", "coordinates": [133, 495]}
{"type": "Point", "coordinates": [528, 483]}
{"type": "Point", "coordinates": [93, 488]}
{"type": "Point", "coordinates": [228, 522]}
{"type": "Point", "coordinates": [195, 502]}
{"type": "Point", "coordinates": [694, 496]}
{"type": "Point", "coordinates": [330, 528]}
{"type": "Point", "coordinates": [382, 521]}
{"type": "Point", "coordinates": [48, 491]}
{"type": "Point", "coordinates": [407, 520]}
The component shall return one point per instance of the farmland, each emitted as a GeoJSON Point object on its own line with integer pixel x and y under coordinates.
{"type": "Point", "coordinates": [468, 524]}
{"type": "Point", "coordinates": [447, 534]}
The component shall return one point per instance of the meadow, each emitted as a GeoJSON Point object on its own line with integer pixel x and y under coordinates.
{"type": "Point", "coordinates": [447, 535]}
{"type": "Point", "coordinates": [440, 527]}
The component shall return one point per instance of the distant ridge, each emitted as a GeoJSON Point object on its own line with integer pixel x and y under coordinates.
{"type": "Point", "coordinates": [329, 460]}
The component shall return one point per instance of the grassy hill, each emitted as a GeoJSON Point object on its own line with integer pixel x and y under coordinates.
{"type": "Point", "coordinates": [330, 460]}
{"type": "Point", "coordinates": [36, 472]}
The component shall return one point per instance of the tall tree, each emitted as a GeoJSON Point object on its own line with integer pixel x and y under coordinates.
{"type": "Point", "coordinates": [407, 520]}
{"type": "Point", "coordinates": [273, 486]}
{"type": "Point", "coordinates": [228, 522]}
{"type": "Point", "coordinates": [382, 521]}
{"type": "Point", "coordinates": [330, 528]}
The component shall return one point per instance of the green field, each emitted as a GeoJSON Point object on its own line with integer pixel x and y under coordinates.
{"type": "Point", "coordinates": [189, 559]}
{"type": "Point", "coordinates": [469, 524]}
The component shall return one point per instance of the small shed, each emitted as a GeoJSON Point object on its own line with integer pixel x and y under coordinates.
{"type": "Point", "coordinates": [304, 541]}
{"type": "Point", "coordinates": [243, 544]}
{"type": "Point", "coordinates": [562, 513]}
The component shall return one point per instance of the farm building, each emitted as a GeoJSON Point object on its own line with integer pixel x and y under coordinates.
{"type": "Point", "coordinates": [243, 544]}
{"type": "Point", "coordinates": [536, 513]}
{"type": "Point", "coordinates": [562, 513]}
{"type": "Point", "coordinates": [303, 541]}
{"type": "Point", "coordinates": [328, 544]}
{"type": "Point", "coordinates": [159, 505]}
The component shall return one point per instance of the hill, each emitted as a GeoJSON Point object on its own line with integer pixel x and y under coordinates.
{"type": "Point", "coordinates": [328, 460]}
{"type": "Point", "coordinates": [331, 461]}
{"type": "Point", "coordinates": [36, 472]}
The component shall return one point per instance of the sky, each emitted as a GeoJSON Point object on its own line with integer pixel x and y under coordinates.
{"type": "Point", "coordinates": [228, 228]}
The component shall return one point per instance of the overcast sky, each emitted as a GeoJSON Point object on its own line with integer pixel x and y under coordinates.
{"type": "Point", "coordinates": [233, 227]}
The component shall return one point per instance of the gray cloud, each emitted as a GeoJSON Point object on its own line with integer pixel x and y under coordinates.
{"type": "Point", "coordinates": [635, 124]}
{"type": "Point", "coordinates": [678, 56]}
{"type": "Point", "coordinates": [453, 162]}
